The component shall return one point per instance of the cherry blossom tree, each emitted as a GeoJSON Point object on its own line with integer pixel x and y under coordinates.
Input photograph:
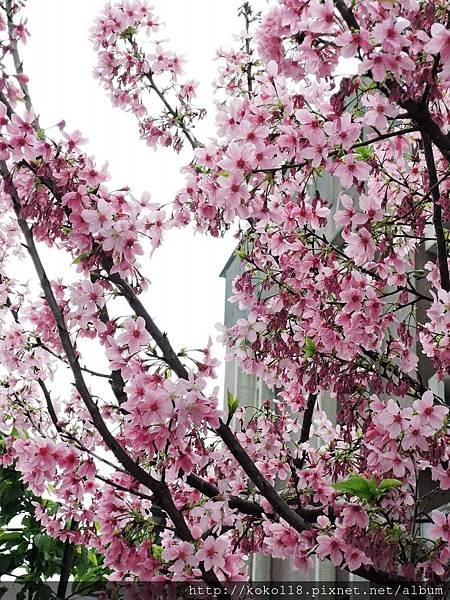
{"type": "Point", "coordinates": [142, 463]}
{"type": "Point", "coordinates": [34, 556]}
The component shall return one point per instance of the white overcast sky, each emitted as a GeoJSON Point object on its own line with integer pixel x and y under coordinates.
{"type": "Point", "coordinates": [186, 296]}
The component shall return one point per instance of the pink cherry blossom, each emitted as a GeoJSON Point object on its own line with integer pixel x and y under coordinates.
{"type": "Point", "coordinates": [349, 170]}
{"type": "Point", "coordinates": [441, 526]}
{"type": "Point", "coordinates": [440, 42]}
{"type": "Point", "coordinates": [394, 419]}
{"type": "Point", "coordinates": [415, 435]}
{"type": "Point", "coordinates": [379, 108]}
{"type": "Point", "coordinates": [330, 547]}
{"type": "Point", "coordinates": [355, 558]}
{"type": "Point", "coordinates": [360, 246]}
{"type": "Point", "coordinates": [428, 413]}
{"type": "Point", "coordinates": [354, 514]}
{"type": "Point", "coordinates": [389, 33]}
{"type": "Point", "coordinates": [183, 556]}
{"type": "Point", "coordinates": [212, 553]}
{"type": "Point", "coordinates": [134, 335]}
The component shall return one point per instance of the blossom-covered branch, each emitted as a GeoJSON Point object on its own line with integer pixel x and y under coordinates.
{"type": "Point", "coordinates": [334, 184]}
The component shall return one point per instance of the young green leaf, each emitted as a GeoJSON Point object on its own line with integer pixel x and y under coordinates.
{"type": "Point", "coordinates": [310, 347]}
{"type": "Point", "coordinates": [358, 486]}
{"type": "Point", "coordinates": [232, 404]}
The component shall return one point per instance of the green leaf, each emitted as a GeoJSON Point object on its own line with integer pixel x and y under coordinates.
{"type": "Point", "coordinates": [310, 347]}
{"type": "Point", "coordinates": [128, 33]}
{"type": "Point", "coordinates": [365, 152]}
{"type": "Point", "coordinates": [80, 258]}
{"type": "Point", "coordinates": [10, 539]}
{"type": "Point", "coordinates": [5, 562]}
{"type": "Point", "coordinates": [358, 486]}
{"type": "Point", "coordinates": [366, 489]}
{"type": "Point", "coordinates": [14, 433]}
{"type": "Point", "coordinates": [387, 485]}
{"type": "Point", "coordinates": [92, 558]}
{"type": "Point", "coordinates": [232, 404]}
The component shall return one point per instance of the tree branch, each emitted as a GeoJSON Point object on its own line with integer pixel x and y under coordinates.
{"type": "Point", "coordinates": [50, 407]}
{"type": "Point", "coordinates": [15, 54]}
{"type": "Point", "coordinates": [117, 382]}
{"type": "Point", "coordinates": [416, 110]}
{"type": "Point", "coordinates": [437, 214]}
{"type": "Point", "coordinates": [211, 491]}
{"type": "Point", "coordinates": [373, 140]}
{"type": "Point", "coordinates": [307, 418]}
{"type": "Point", "coordinates": [266, 489]}
{"type": "Point", "coordinates": [427, 125]}
{"type": "Point", "coordinates": [191, 139]}
{"type": "Point", "coordinates": [66, 565]}
{"type": "Point", "coordinates": [347, 14]}
{"type": "Point", "coordinates": [160, 338]}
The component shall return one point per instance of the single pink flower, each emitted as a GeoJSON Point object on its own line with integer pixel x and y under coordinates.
{"type": "Point", "coordinates": [182, 554]}
{"type": "Point", "coordinates": [389, 34]}
{"type": "Point", "coordinates": [440, 42]}
{"type": "Point", "coordinates": [354, 514]}
{"type": "Point", "coordinates": [429, 413]}
{"type": "Point", "coordinates": [394, 419]}
{"type": "Point", "coordinates": [350, 171]}
{"type": "Point", "coordinates": [213, 552]}
{"type": "Point", "coordinates": [360, 246]}
{"type": "Point", "coordinates": [329, 547]}
{"type": "Point", "coordinates": [355, 558]}
{"type": "Point", "coordinates": [415, 435]}
{"type": "Point", "coordinates": [441, 526]}
{"type": "Point", "coordinates": [134, 335]}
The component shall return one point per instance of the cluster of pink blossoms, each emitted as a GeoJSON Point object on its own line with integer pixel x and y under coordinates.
{"type": "Point", "coordinates": [337, 185]}
{"type": "Point", "coordinates": [139, 72]}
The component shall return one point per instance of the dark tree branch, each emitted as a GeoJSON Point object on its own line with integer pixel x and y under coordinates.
{"type": "Point", "coordinates": [122, 488]}
{"type": "Point", "coordinates": [50, 407]}
{"type": "Point", "coordinates": [306, 428]}
{"type": "Point", "coordinates": [307, 418]}
{"type": "Point", "coordinates": [347, 14]}
{"type": "Point", "coordinates": [246, 507]}
{"type": "Point", "coordinates": [116, 380]}
{"type": "Point", "coordinates": [441, 243]}
{"type": "Point", "coordinates": [159, 489]}
{"type": "Point", "coordinates": [173, 112]}
{"type": "Point", "coordinates": [247, 13]}
{"type": "Point", "coordinates": [66, 565]}
{"type": "Point", "coordinates": [416, 110]}
{"type": "Point", "coordinates": [160, 338]}
{"type": "Point", "coordinates": [427, 125]}
{"type": "Point", "coordinates": [378, 138]}
{"type": "Point", "coordinates": [15, 54]}
{"type": "Point", "coordinates": [266, 489]}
